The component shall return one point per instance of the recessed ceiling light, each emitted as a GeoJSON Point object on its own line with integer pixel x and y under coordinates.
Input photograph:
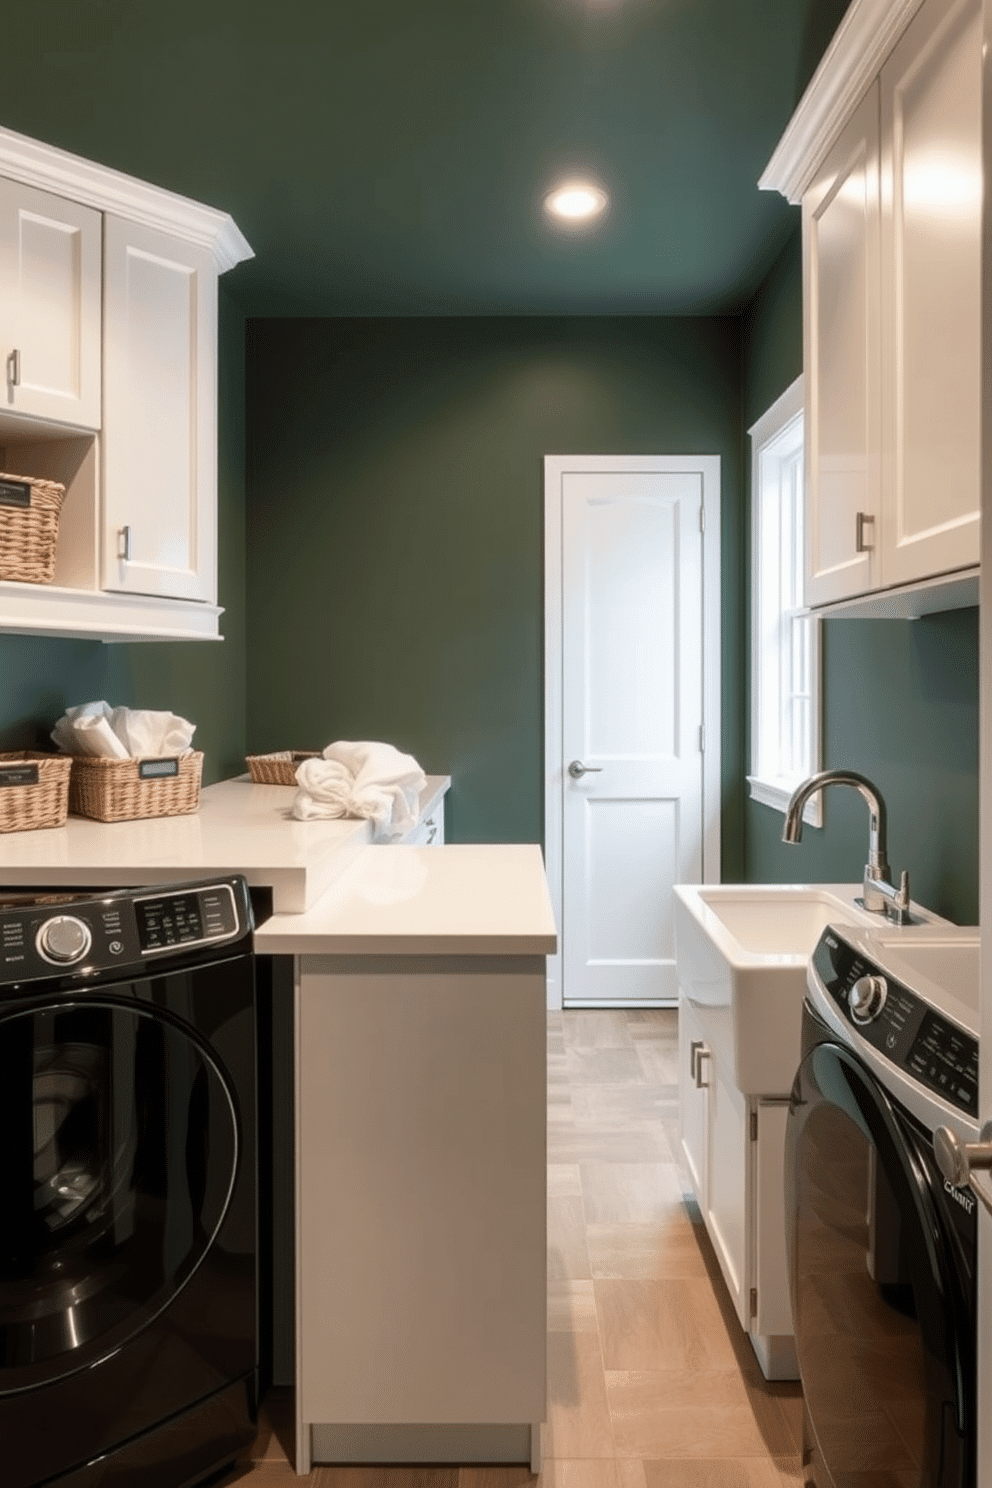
{"type": "Point", "coordinates": [576, 202]}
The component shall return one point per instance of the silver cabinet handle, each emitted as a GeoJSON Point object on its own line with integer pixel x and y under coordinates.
{"type": "Point", "coordinates": [124, 543]}
{"type": "Point", "coordinates": [694, 1047]}
{"type": "Point", "coordinates": [14, 369]}
{"type": "Point", "coordinates": [703, 1053]}
{"type": "Point", "coordinates": [964, 1162]}
{"type": "Point", "coordinates": [861, 521]}
{"type": "Point", "coordinates": [577, 769]}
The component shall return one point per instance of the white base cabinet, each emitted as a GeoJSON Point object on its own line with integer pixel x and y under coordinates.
{"type": "Point", "coordinates": [733, 1147]}
{"type": "Point", "coordinates": [420, 1209]}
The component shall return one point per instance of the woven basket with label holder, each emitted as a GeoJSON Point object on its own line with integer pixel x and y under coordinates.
{"type": "Point", "coordinates": [34, 790]}
{"type": "Point", "coordinates": [29, 528]}
{"type": "Point", "coordinates": [111, 790]}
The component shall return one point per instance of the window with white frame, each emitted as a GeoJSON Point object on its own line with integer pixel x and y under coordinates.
{"type": "Point", "coordinates": [785, 642]}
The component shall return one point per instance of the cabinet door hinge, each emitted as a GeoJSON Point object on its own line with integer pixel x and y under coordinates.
{"type": "Point", "coordinates": [702, 519]}
{"type": "Point", "coordinates": [702, 738]}
{"type": "Point", "coordinates": [754, 1126]}
{"type": "Point", "coordinates": [754, 1301]}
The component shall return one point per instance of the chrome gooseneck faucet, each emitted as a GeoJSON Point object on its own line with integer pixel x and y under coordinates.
{"type": "Point", "coordinates": [878, 894]}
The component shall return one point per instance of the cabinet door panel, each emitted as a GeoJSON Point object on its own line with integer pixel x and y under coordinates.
{"type": "Point", "coordinates": [727, 1211]}
{"type": "Point", "coordinates": [841, 269]}
{"type": "Point", "coordinates": [931, 276]}
{"type": "Point", "coordinates": [50, 306]}
{"type": "Point", "coordinates": [160, 415]}
{"type": "Point", "coordinates": [771, 1271]}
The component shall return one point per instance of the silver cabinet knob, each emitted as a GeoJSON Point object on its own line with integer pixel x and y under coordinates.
{"type": "Point", "coordinates": [577, 769]}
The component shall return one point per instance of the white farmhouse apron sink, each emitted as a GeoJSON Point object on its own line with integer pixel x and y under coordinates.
{"type": "Point", "coordinates": [741, 953]}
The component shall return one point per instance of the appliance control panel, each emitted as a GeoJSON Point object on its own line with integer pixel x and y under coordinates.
{"type": "Point", "coordinates": [899, 1024]}
{"type": "Point", "coordinates": [82, 934]}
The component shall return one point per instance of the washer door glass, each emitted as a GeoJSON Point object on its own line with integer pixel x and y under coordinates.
{"type": "Point", "coordinates": [881, 1332]}
{"type": "Point", "coordinates": [120, 1150]}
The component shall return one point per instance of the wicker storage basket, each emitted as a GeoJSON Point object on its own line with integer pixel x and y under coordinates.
{"type": "Point", "coordinates": [278, 768]}
{"type": "Point", "coordinates": [29, 528]}
{"type": "Point", "coordinates": [34, 790]}
{"type": "Point", "coordinates": [111, 790]}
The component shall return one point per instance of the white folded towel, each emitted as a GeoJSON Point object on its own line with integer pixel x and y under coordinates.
{"type": "Point", "coordinates": [368, 780]}
{"type": "Point", "coordinates": [122, 733]}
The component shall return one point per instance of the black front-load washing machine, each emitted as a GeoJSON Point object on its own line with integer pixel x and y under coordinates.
{"type": "Point", "coordinates": [128, 1292]}
{"type": "Point", "coordinates": [881, 1246]}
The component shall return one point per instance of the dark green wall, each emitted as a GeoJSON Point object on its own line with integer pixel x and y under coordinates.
{"type": "Point", "coordinates": [395, 532]}
{"type": "Point", "coordinates": [900, 697]}
{"type": "Point", "coordinates": [204, 682]}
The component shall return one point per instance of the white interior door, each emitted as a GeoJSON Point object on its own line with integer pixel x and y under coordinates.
{"type": "Point", "coordinates": [630, 766]}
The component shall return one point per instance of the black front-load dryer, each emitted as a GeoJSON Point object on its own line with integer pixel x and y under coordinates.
{"type": "Point", "coordinates": [128, 1291]}
{"type": "Point", "coordinates": [881, 1247]}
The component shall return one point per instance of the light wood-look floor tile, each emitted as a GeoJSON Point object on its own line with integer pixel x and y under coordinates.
{"type": "Point", "coordinates": [668, 1248]}
{"type": "Point", "coordinates": [584, 1142]}
{"type": "Point", "coordinates": [718, 1472]}
{"type": "Point", "coordinates": [598, 1065]}
{"type": "Point", "coordinates": [636, 1193]}
{"type": "Point", "coordinates": [572, 1307]}
{"type": "Point", "coordinates": [600, 1028]}
{"type": "Point", "coordinates": [578, 1415]}
{"type": "Point", "coordinates": [611, 1105]}
{"type": "Point", "coordinates": [568, 1257]}
{"type": "Point", "coordinates": [667, 1325]}
{"type": "Point", "coordinates": [564, 1181]}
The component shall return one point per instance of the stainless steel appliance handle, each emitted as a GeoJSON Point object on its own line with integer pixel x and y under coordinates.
{"type": "Point", "coordinates": [577, 769]}
{"type": "Point", "coordinates": [966, 1162]}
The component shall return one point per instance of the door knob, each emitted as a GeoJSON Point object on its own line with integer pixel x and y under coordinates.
{"type": "Point", "coordinates": [577, 769]}
{"type": "Point", "coordinates": [959, 1161]}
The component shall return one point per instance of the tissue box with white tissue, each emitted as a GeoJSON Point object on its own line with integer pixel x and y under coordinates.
{"type": "Point", "coordinates": [129, 763]}
{"type": "Point", "coordinates": [368, 780]}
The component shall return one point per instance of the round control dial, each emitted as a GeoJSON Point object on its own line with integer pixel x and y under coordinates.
{"type": "Point", "coordinates": [867, 998]}
{"type": "Point", "coordinates": [64, 940]}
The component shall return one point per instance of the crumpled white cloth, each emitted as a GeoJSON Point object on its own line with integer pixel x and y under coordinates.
{"type": "Point", "coordinates": [122, 733]}
{"type": "Point", "coordinates": [362, 779]}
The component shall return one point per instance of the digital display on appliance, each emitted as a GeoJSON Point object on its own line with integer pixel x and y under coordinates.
{"type": "Point", "coordinates": [173, 920]}
{"type": "Point", "coordinates": [946, 1060]}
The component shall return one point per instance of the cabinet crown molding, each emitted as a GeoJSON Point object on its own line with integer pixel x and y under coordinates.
{"type": "Point", "coordinates": [852, 61]}
{"type": "Point", "coordinates": [50, 169]}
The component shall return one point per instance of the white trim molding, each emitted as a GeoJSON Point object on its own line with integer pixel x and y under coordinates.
{"type": "Point", "coordinates": [852, 61]}
{"type": "Point", "coordinates": [50, 169]}
{"type": "Point", "coordinates": [779, 425]}
{"type": "Point", "coordinates": [555, 467]}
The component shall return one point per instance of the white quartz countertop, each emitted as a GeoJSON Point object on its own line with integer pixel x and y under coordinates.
{"type": "Point", "coordinates": [239, 827]}
{"type": "Point", "coordinates": [458, 899]}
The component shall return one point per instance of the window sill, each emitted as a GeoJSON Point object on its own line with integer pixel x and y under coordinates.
{"type": "Point", "coordinates": [776, 794]}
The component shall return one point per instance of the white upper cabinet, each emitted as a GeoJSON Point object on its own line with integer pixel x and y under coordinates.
{"type": "Point", "coordinates": [160, 420]}
{"type": "Point", "coordinates": [50, 306]}
{"type": "Point", "coordinates": [885, 155]}
{"type": "Point", "coordinates": [841, 340]}
{"type": "Point", "coordinates": [931, 172]}
{"type": "Point", "coordinates": [101, 271]}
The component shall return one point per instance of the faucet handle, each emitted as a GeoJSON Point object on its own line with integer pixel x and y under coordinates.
{"type": "Point", "coordinates": [898, 900]}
